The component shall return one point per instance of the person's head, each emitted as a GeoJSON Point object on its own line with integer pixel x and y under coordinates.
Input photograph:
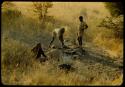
{"type": "Point", "coordinates": [81, 18]}
{"type": "Point", "coordinates": [36, 48]}
{"type": "Point", "coordinates": [63, 30]}
{"type": "Point", "coordinates": [39, 45]}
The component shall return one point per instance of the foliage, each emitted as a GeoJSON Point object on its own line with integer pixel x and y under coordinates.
{"type": "Point", "coordinates": [114, 23]}
{"type": "Point", "coordinates": [9, 13]}
{"type": "Point", "coordinates": [115, 8]}
{"type": "Point", "coordinates": [41, 9]}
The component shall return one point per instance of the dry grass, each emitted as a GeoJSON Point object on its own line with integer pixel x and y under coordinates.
{"type": "Point", "coordinates": [18, 37]}
{"type": "Point", "coordinates": [114, 47]}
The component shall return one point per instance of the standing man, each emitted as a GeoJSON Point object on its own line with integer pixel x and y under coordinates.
{"type": "Point", "coordinates": [82, 27]}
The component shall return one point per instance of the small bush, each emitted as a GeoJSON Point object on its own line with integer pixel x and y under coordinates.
{"type": "Point", "coordinates": [10, 14]}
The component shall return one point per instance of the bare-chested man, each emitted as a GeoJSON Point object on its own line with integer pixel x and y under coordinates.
{"type": "Point", "coordinates": [82, 27]}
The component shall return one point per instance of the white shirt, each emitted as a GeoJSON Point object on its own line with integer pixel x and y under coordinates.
{"type": "Point", "coordinates": [57, 30]}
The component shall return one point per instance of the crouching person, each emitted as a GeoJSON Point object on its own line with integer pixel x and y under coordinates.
{"type": "Point", "coordinates": [39, 53]}
{"type": "Point", "coordinates": [58, 33]}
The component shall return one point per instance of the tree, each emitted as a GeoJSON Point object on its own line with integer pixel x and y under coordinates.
{"type": "Point", "coordinates": [41, 9]}
{"type": "Point", "coordinates": [115, 8]}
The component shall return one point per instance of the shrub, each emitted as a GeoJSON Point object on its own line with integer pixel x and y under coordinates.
{"type": "Point", "coordinates": [115, 8]}
{"type": "Point", "coordinates": [10, 14]}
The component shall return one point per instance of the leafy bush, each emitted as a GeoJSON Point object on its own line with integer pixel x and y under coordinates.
{"type": "Point", "coordinates": [115, 24]}
{"type": "Point", "coordinates": [115, 8]}
{"type": "Point", "coordinates": [11, 14]}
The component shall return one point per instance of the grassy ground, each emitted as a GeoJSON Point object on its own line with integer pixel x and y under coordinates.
{"type": "Point", "coordinates": [19, 34]}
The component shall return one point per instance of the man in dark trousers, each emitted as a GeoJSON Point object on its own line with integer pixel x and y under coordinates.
{"type": "Point", "coordinates": [58, 33]}
{"type": "Point", "coordinates": [82, 27]}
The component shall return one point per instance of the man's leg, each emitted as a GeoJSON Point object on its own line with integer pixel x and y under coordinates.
{"type": "Point", "coordinates": [61, 40]}
{"type": "Point", "coordinates": [80, 41]}
{"type": "Point", "coordinates": [53, 38]}
{"type": "Point", "coordinates": [51, 41]}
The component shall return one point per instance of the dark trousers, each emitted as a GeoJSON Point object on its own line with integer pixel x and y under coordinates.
{"type": "Point", "coordinates": [61, 39]}
{"type": "Point", "coordinates": [80, 40]}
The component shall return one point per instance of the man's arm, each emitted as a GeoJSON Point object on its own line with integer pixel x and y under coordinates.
{"type": "Point", "coordinates": [53, 38]}
{"type": "Point", "coordinates": [86, 26]}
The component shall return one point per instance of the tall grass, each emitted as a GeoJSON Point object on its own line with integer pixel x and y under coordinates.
{"type": "Point", "coordinates": [19, 67]}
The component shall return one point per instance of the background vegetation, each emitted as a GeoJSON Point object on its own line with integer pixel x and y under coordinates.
{"type": "Point", "coordinates": [21, 32]}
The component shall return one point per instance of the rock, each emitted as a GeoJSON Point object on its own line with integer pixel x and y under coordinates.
{"type": "Point", "coordinates": [66, 67]}
{"type": "Point", "coordinates": [55, 54]}
{"type": "Point", "coordinates": [74, 57]}
{"type": "Point", "coordinates": [79, 51]}
{"type": "Point", "coordinates": [43, 59]}
{"type": "Point", "coordinates": [67, 59]}
{"type": "Point", "coordinates": [65, 55]}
